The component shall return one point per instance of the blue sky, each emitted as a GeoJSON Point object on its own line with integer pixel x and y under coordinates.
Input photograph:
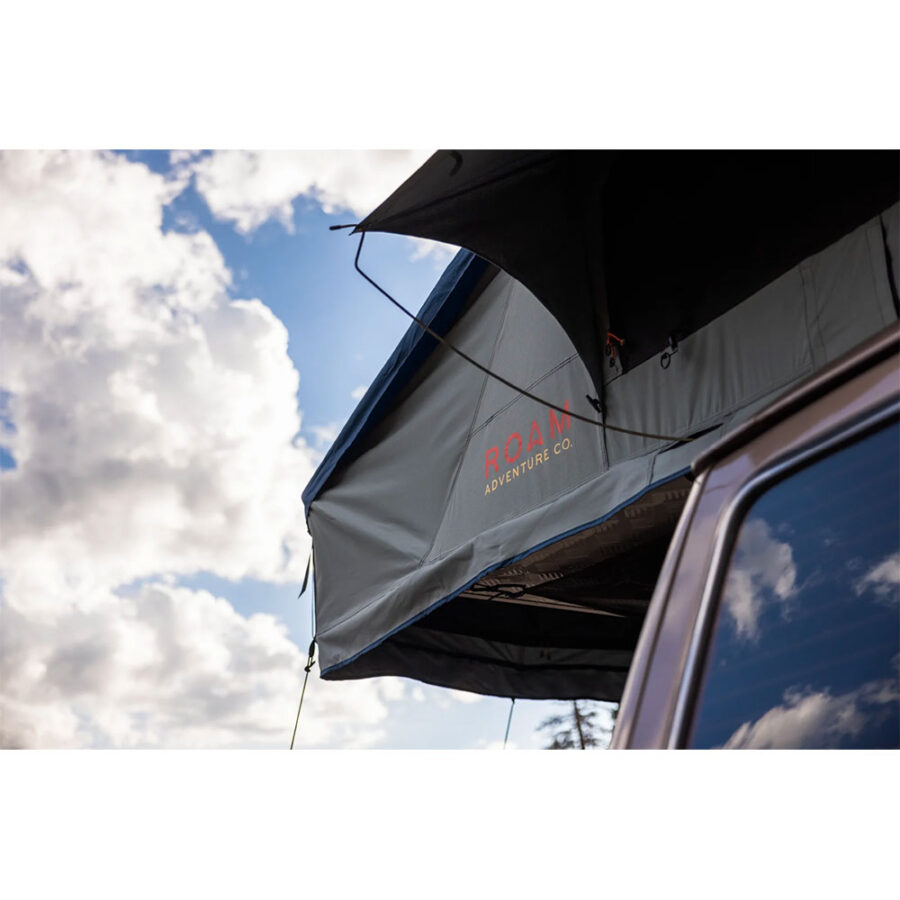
{"type": "Point", "coordinates": [341, 331]}
{"type": "Point", "coordinates": [183, 339]}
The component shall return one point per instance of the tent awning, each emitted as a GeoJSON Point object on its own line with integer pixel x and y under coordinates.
{"type": "Point", "coordinates": [647, 244]}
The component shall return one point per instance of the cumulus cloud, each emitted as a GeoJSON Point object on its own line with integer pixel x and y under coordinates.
{"type": "Point", "coordinates": [439, 253]}
{"type": "Point", "coordinates": [323, 436]}
{"type": "Point", "coordinates": [763, 572]}
{"type": "Point", "coordinates": [154, 429]}
{"type": "Point", "coordinates": [164, 666]}
{"type": "Point", "coordinates": [463, 696]}
{"type": "Point", "coordinates": [359, 392]}
{"type": "Point", "coordinates": [155, 417]}
{"type": "Point", "coordinates": [251, 187]}
{"type": "Point", "coordinates": [883, 580]}
{"type": "Point", "coordinates": [811, 719]}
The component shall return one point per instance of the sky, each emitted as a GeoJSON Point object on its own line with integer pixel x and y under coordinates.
{"type": "Point", "coordinates": [182, 339]}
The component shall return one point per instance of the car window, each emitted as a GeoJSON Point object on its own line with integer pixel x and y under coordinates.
{"type": "Point", "coordinates": [806, 646]}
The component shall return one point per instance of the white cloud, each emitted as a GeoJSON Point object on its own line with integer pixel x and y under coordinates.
{"type": "Point", "coordinates": [155, 435]}
{"type": "Point", "coordinates": [249, 187]}
{"type": "Point", "coordinates": [164, 666]}
{"type": "Point", "coordinates": [439, 253]}
{"type": "Point", "coordinates": [816, 718]}
{"type": "Point", "coordinates": [882, 579]}
{"type": "Point", "coordinates": [463, 696]}
{"type": "Point", "coordinates": [154, 416]}
{"type": "Point", "coordinates": [359, 392]}
{"type": "Point", "coordinates": [324, 436]}
{"type": "Point", "coordinates": [179, 158]}
{"type": "Point", "coordinates": [762, 572]}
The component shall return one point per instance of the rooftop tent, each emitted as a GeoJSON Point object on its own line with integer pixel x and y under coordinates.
{"type": "Point", "coordinates": [467, 536]}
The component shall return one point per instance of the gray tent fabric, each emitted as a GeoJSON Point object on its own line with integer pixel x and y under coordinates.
{"type": "Point", "coordinates": [517, 631]}
{"type": "Point", "coordinates": [464, 477]}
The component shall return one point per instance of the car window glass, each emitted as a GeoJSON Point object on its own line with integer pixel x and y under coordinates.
{"type": "Point", "coordinates": [806, 645]}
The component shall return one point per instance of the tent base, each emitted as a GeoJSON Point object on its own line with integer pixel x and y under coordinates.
{"type": "Point", "coordinates": [560, 624]}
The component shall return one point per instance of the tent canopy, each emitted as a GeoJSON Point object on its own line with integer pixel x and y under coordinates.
{"type": "Point", "coordinates": [649, 245]}
{"type": "Point", "coordinates": [467, 536]}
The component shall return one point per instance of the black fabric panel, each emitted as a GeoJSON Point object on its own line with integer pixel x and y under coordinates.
{"type": "Point", "coordinates": [532, 213]}
{"type": "Point", "coordinates": [535, 626]}
{"type": "Point", "coordinates": [485, 676]}
{"type": "Point", "coordinates": [690, 234]}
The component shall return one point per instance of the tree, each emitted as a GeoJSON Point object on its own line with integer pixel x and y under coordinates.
{"type": "Point", "coordinates": [578, 728]}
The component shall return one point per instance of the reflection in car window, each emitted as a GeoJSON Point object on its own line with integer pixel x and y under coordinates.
{"type": "Point", "coordinates": [806, 648]}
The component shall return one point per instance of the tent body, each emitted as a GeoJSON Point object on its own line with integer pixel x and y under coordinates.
{"type": "Point", "coordinates": [468, 536]}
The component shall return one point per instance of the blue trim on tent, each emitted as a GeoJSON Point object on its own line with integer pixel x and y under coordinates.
{"type": "Point", "coordinates": [441, 310]}
{"type": "Point", "coordinates": [507, 562]}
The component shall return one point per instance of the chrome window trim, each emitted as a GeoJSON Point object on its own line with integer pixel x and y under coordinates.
{"type": "Point", "coordinates": [726, 532]}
